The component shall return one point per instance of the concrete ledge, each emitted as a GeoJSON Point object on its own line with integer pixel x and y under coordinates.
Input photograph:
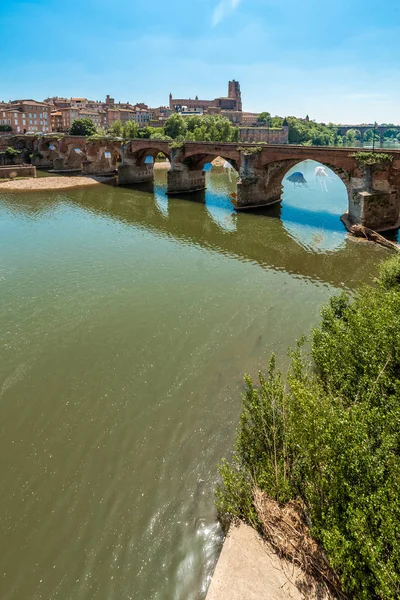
{"type": "Point", "coordinates": [11, 171]}
{"type": "Point", "coordinates": [248, 569]}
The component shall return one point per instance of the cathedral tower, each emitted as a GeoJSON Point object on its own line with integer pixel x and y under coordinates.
{"type": "Point", "coordinates": [234, 92]}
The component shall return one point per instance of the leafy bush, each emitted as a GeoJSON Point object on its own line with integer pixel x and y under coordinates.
{"type": "Point", "coordinates": [83, 127]}
{"type": "Point", "coordinates": [11, 152]}
{"type": "Point", "coordinates": [176, 145]}
{"type": "Point", "coordinates": [390, 273]}
{"type": "Point", "coordinates": [247, 151]}
{"type": "Point", "coordinates": [329, 434]}
{"type": "Point", "coordinates": [372, 158]}
{"type": "Point", "coordinates": [201, 128]}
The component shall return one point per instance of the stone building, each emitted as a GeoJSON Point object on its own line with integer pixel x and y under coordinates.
{"type": "Point", "coordinates": [265, 135]}
{"type": "Point", "coordinates": [26, 116]}
{"type": "Point", "coordinates": [56, 118]}
{"type": "Point", "coordinates": [232, 102]}
{"type": "Point", "coordinates": [229, 106]}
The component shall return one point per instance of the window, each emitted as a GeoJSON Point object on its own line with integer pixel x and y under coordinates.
{"type": "Point", "coordinates": [30, 115]}
{"type": "Point", "coordinates": [34, 115]}
{"type": "Point", "coordinates": [41, 116]}
{"type": "Point", "coordinates": [30, 121]}
{"type": "Point", "coordinates": [35, 122]}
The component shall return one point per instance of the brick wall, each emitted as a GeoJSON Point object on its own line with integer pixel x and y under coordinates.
{"type": "Point", "coordinates": [264, 134]}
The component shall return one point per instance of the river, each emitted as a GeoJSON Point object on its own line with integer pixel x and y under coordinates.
{"type": "Point", "coordinates": [127, 321]}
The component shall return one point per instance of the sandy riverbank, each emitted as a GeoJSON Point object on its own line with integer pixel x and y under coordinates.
{"type": "Point", "coordinates": [51, 183]}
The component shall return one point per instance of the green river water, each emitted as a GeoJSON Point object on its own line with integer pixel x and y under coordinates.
{"type": "Point", "coordinates": [127, 321]}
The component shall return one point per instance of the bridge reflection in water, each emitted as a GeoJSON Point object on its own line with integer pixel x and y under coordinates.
{"type": "Point", "coordinates": [303, 236]}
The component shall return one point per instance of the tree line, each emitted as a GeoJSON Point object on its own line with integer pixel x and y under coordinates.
{"type": "Point", "coordinates": [200, 128]}
{"type": "Point", "coordinates": [216, 128]}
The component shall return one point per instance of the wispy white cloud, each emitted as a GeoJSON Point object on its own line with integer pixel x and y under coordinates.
{"type": "Point", "coordinates": [223, 9]}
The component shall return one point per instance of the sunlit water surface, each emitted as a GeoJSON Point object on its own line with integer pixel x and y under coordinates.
{"type": "Point", "coordinates": [127, 322]}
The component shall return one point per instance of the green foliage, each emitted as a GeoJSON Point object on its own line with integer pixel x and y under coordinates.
{"type": "Point", "coordinates": [389, 273]}
{"type": "Point", "coordinates": [176, 144]}
{"type": "Point", "coordinates": [370, 135]}
{"type": "Point", "coordinates": [352, 135]}
{"type": "Point", "coordinates": [277, 122]}
{"type": "Point", "coordinates": [160, 135]}
{"type": "Point", "coordinates": [249, 150]}
{"type": "Point", "coordinates": [11, 152]}
{"type": "Point", "coordinates": [83, 127]}
{"type": "Point", "coordinates": [5, 128]}
{"type": "Point", "coordinates": [391, 133]}
{"type": "Point", "coordinates": [130, 130]}
{"type": "Point", "coordinates": [372, 158]}
{"type": "Point", "coordinates": [265, 118]}
{"type": "Point", "coordinates": [117, 129]}
{"type": "Point", "coordinates": [147, 132]}
{"type": "Point", "coordinates": [202, 128]}
{"type": "Point", "coordinates": [302, 131]}
{"type": "Point", "coordinates": [175, 126]}
{"type": "Point", "coordinates": [329, 433]}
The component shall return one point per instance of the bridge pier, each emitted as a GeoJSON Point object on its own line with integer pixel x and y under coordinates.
{"type": "Point", "coordinates": [182, 180]}
{"type": "Point", "coordinates": [374, 201]}
{"type": "Point", "coordinates": [257, 186]}
{"type": "Point", "coordinates": [130, 172]}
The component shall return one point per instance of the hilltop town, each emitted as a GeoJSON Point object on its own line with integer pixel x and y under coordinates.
{"type": "Point", "coordinates": [58, 114]}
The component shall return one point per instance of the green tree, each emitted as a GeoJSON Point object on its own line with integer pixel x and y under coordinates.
{"type": "Point", "coordinates": [352, 135]}
{"type": "Point", "coordinates": [130, 130]}
{"type": "Point", "coordinates": [175, 126]}
{"type": "Point", "coordinates": [160, 135]}
{"type": "Point", "coordinates": [391, 133]}
{"type": "Point", "coordinates": [117, 129]}
{"type": "Point", "coordinates": [276, 121]}
{"type": "Point", "coordinates": [370, 134]}
{"type": "Point", "coordinates": [146, 132]}
{"type": "Point", "coordinates": [265, 118]}
{"type": "Point", "coordinates": [83, 127]}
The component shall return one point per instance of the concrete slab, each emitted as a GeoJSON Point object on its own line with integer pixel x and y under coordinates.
{"type": "Point", "coordinates": [248, 569]}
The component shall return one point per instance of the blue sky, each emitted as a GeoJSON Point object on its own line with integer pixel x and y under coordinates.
{"type": "Point", "coordinates": [335, 60]}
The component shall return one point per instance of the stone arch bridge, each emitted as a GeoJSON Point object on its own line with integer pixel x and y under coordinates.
{"type": "Point", "coordinates": [373, 193]}
{"type": "Point", "coordinates": [362, 129]}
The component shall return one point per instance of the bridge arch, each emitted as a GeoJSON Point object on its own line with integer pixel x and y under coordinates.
{"type": "Point", "coordinates": [277, 171]}
{"type": "Point", "coordinates": [139, 152]}
{"type": "Point", "coordinates": [195, 159]}
{"type": "Point", "coordinates": [198, 161]}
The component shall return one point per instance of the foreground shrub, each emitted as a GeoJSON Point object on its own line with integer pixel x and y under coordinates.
{"type": "Point", "coordinates": [328, 434]}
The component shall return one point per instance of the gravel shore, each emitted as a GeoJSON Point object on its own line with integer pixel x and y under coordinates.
{"type": "Point", "coordinates": [50, 183]}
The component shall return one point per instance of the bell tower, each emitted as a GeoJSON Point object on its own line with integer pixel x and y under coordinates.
{"type": "Point", "coordinates": [234, 93]}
